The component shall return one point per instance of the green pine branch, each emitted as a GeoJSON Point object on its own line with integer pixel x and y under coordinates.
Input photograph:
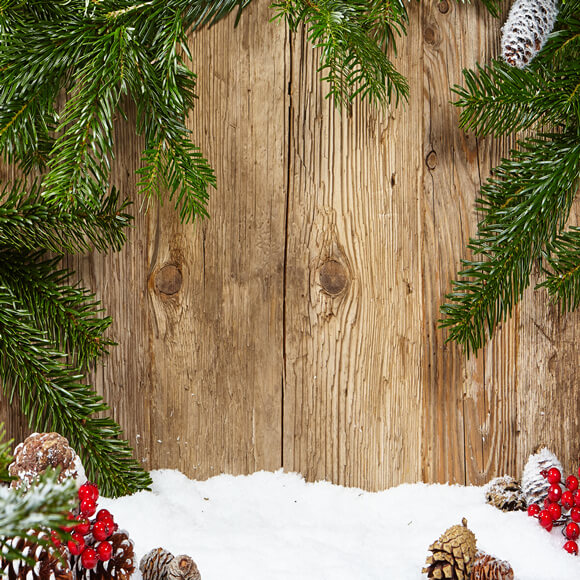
{"type": "Point", "coordinates": [563, 274]}
{"type": "Point", "coordinates": [68, 315]}
{"type": "Point", "coordinates": [53, 399]}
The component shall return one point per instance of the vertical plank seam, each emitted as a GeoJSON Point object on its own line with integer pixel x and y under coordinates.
{"type": "Point", "coordinates": [288, 76]}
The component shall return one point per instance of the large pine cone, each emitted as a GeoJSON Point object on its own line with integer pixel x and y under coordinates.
{"type": "Point", "coordinates": [47, 565]}
{"type": "Point", "coordinates": [534, 485]}
{"type": "Point", "coordinates": [183, 567]}
{"type": "Point", "coordinates": [453, 554]}
{"type": "Point", "coordinates": [486, 567]}
{"type": "Point", "coordinates": [505, 494]}
{"type": "Point", "coordinates": [526, 30]}
{"type": "Point", "coordinates": [155, 564]}
{"type": "Point", "coordinates": [40, 451]}
{"type": "Point", "coordinates": [120, 567]}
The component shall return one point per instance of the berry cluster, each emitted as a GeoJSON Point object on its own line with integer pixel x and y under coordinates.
{"type": "Point", "coordinates": [561, 506]}
{"type": "Point", "coordinates": [89, 536]}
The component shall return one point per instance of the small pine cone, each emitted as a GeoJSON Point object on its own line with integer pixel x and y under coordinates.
{"type": "Point", "coordinates": [526, 30]}
{"type": "Point", "coordinates": [120, 567]}
{"type": "Point", "coordinates": [155, 564]}
{"type": "Point", "coordinates": [534, 485]}
{"type": "Point", "coordinates": [452, 554]}
{"type": "Point", "coordinates": [47, 564]}
{"type": "Point", "coordinates": [40, 451]}
{"type": "Point", "coordinates": [183, 567]}
{"type": "Point", "coordinates": [505, 494]}
{"type": "Point", "coordinates": [486, 567]}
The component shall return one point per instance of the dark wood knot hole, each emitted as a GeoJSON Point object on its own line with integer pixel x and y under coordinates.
{"type": "Point", "coordinates": [333, 277]}
{"type": "Point", "coordinates": [168, 280]}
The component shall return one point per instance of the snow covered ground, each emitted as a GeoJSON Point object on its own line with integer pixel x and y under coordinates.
{"type": "Point", "coordinates": [275, 526]}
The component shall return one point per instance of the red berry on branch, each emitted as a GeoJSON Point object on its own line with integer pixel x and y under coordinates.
{"type": "Point", "coordinates": [547, 502]}
{"type": "Point", "coordinates": [571, 547]}
{"type": "Point", "coordinates": [572, 482]}
{"type": "Point", "coordinates": [554, 475]}
{"type": "Point", "coordinates": [104, 515]}
{"type": "Point", "coordinates": [84, 525]}
{"type": "Point", "coordinates": [76, 544]}
{"type": "Point", "coordinates": [89, 558]}
{"type": "Point", "coordinates": [100, 531]}
{"type": "Point", "coordinates": [555, 492]}
{"type": "Point", "coordinates": [572, 531]}
{"type": "Point", "coordinates": [55, 539]}
{"type": "Point", "coordinates": [544, 472]}
{"type": "Point", "coordinates": [567, 500]}
{"type": "Point", "coordinates": [555, 510]}
{"type": "Point", "coordinates": [545, 519]}
{"type": "Point", "coordinates": [104, 551]}
{"type": "Point", "coordinates": [534, 509]}
{"type": "Point", "coordinates": [110, 526]}
{"type": "Point", "coordinates": [575, 514]}
{"type": "Point", "coordinates": [88, 507]}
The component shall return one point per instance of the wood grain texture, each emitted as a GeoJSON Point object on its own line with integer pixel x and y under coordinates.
{"type": "Point", "coordinates": [298, 327]}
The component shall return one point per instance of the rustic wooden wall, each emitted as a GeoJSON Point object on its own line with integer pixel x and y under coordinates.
{"type": "Point", "coordinates": [297, 327]}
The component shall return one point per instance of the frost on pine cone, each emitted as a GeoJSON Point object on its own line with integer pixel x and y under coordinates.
{"type": "Point", "coordinates": [452, 554]}
{"type": "Point", "coordinates": [526, 30]}
{"type": "Point", "coordinates": [534, 485]}
{"type": "Point", "coordinates": [505, 494]}
{"type": "Point", "coordinates": [46, 566]}
{"type": "Point", "coordinates": [159, 564]}
{"type": "Point", "coordinates": [486, 567]}
{"type": "Point", "coordinates": [40, 451]}
{"type": "Point", "coordinates": [120, 567]}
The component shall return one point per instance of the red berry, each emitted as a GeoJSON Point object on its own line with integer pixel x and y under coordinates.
{"type": "Point", "coordinates": [555, 510]}
{"type": "Point", "coordinates": [100, 531]}
{"type": "Point", "coordinates": [104, 551]}
{"type": "Point", "coordinates": [544, 472]}
{"type": "Point", "coordinates": [534, 509]}
{"type": "Point", "coordinates": [547, 502]}
{"type": "Point", "coordinates": [84, 525]}
{"type": "Point", "coordinates": [110, 526]}
{"type": "Point", "coordinates": [68, 529]}
{"type": "Point", "coordinates": [554, 475]}
{"type": "Point", "coordinates": [571, 547]}
{"type": "Point", "coordinates": [76, 544]}
{"type": "Point", "coordinates": [104, 515]}
{"type": "Point", "coordinates": [567, 500]}
{"type": "Point", "coordinates": [55, 539]}
{"type": "Point", "coordinates": [555, 492]}
{"type": "Point", "coordinates": [88, 491]}
{"type": "Point", "coordinates": [572, 482]}
{"type": "Point", "coordinates": [89, 558]}
{"type": "Point", "coordinates": [575, 514]}
{"type": "Point", "coordinates": [572, 531]}
{"type": "Point", "coordinates": [545, 519]}
{"type": "Point", "coordinates": [88, 507]}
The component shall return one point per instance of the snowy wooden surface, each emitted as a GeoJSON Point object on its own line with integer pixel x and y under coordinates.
{"type": "Point", "coordinates": [298, 326]}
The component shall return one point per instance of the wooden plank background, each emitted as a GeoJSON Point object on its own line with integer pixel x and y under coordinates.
{"type": "Point", "coordinates": [297, 327]}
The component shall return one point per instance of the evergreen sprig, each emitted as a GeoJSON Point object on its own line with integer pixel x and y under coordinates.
{"type": "Point", "coordinates": [526, 203]}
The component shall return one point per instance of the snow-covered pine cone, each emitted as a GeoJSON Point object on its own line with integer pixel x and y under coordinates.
{"type": "Point", "coordinates": [120, 567]}
{"type": "Point", "coordinates": [526, 30]}
{"type": "Point", "coordinates": [505, 494]}
{"type": "Point", "coordinates": [534, 485]}
{"type": "Point", "coordinates": [184, 568]}
{"type": "Point", "coordinates": [155, 564]}
{"type": "Point", "coordinates": [47, 565]}
{"type": "Point", "coordinates": [486, 567]}
{"type": "Point", "coordinates": [40, 451]}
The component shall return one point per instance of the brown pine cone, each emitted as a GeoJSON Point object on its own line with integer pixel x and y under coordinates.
{"type": "Point", "coordinates": [452, 554]}
{"type": "Point", "coordinates": [183, 567]}
{"type": "Point", "coordinates": [40, 451]}
{"type": "Point", "coordinates": [505, 494]}
{"type": "Point", "coordinates": [120, 567]}
{"type": "Point", "coordinates": [486, 567]}
{"type": "Point", "coordinates": [155, 564]}
{"type": "Point", "coordinates": [47, 565]}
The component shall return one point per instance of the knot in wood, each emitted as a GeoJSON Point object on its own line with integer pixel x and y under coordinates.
{"type": "Point", "coordinates": [429, 35]}
{"type": "Point", "coordinates": [431, 160]}
{"type": "Point", "coordinates": [443, 7]}
{"type": "Point", "coordinates": [333, 277]}
{"type": "Point", "coordinates": [168, 280]}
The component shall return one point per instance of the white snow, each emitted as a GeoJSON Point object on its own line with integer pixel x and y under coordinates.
{"type": "Point", "coordinates": [275, 526]}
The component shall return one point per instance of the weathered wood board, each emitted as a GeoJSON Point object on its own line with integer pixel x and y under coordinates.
{"type": "Point", "coordinates": [298, 327]}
